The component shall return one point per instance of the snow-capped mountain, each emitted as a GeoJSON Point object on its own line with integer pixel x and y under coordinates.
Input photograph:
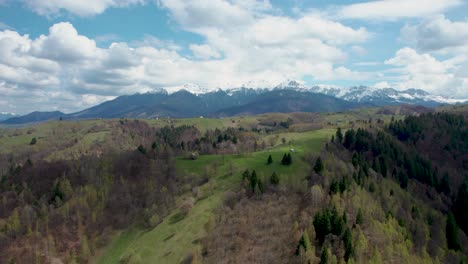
{"type": "Point", "coordinates": [357, 94]}
{"type": "Point", "coordinates": [385, 96]}
{"type": "Point", "coordinates": [6, 115]}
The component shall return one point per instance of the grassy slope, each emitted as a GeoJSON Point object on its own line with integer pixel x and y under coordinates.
{"type": "Point", "coordinates": [172, 242]}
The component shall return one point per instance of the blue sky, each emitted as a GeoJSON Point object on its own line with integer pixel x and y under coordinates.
{"type": "Point", "coordinates": [68, 55]}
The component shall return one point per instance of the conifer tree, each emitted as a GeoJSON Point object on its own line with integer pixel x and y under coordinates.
{"type": "Point", "coordinates": [274, 179]}
{"type": "Point", "coordinates": [253, 180]}
{"type": "Point", "coordinates": [318, 168]}
{"type": "Point", "coordinates": [451, 230]}
{"type": "Point", "coordinates": [260, 185]}
{"type": "Point", "coordinates": [359, 218]}
{"type": "Point", "coordinates": [348, 243]}
{"type": "Point", "coordinates": [339, 135]}
{"type": "Point", "coordinates": [324, 256]}
{"type": "Point", "coordinates": [270, 160]}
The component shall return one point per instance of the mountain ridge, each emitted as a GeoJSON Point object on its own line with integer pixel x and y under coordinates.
{"type": "Point", "coordinates": [290, 96]}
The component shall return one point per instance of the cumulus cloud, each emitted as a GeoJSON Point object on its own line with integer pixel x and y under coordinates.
{"type": "Point", "coordinates": [439, 34]}
{"type": "Point", "coordinates": [393, 9]}
{"type": "Point", "coordinates": [244, 41]}
{"type": "Point", "coordinates": [423, 71]}
{"type": "Point", "coordinates": [80, 8]}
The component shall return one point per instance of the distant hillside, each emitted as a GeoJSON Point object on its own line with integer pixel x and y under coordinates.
{"type": "Point", "coordinates": [34, 117]}
{"type": "Point", "coordinates": [5, 116]}
{"type": "Point", "coordinates": [186, 104]}
{"type": "Point", "coordinates": [286, 101]}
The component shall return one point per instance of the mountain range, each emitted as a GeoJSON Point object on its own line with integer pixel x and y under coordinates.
{"type": "Point", "coordinates": [290, 96]}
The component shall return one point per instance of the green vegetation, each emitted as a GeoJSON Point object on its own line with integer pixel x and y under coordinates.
{"type": "Point", "coordinates": [328, 188]}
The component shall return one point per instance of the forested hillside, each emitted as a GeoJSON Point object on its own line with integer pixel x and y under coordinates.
{"type": "Point", "coordinates": [367, 186]}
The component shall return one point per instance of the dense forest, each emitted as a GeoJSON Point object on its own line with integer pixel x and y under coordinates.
{"type": "Point", "coordinates": [380, 193]}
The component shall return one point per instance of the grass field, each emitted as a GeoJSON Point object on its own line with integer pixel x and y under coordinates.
{"type": "Point", "coordinates": [171, 242]}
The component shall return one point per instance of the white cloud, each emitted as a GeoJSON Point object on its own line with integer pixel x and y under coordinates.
{"type": "Point", "coordinates": [77, 7]}
{"type": "Point", "coordinates": [438, 34]}
{"type": "Point", "coordinates": [64, 44]}
{"type": "Point", "coordinates": [261, 46]}
{"type": "Point", "coordinates": [423, 71]}
{"type": "Point", "coordinates": [204, 51]}
{"type": "Point", "coordinates": [381, 85]}
{"type": "Point", "coordinates": [393, 9]}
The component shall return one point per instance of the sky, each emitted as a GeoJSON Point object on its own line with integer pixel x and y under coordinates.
{"type": "Point", "coordinates": [68, 55]}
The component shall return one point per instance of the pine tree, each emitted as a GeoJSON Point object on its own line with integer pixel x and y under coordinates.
{"type": "Point", "coordinates": [260, 185]}
{"type": "Point", "coordinates": [359, 218]}
{"type": "Point", "coordinates": [253, 180]}
{"type": "Point", "coordinates": [274, 179]}
{"type": "Point", "coordinates": [141, 149]}
{"type": "Point", "coordinates": [460, 207]}
{"type": "Point", "coordinates": [348, 243]}
{"type": "Point", "coordinates": [339, 135]}
{"type": "Point", "coordinates": [33, 141]}
{"type": "Point", "coordinates": [451, 230]}
{"type": "Point", "coordinates": [246, 175]}
{"type": "Point", "coordinates": [376, 165]}
{"type": "Point", "coordinates": [336, 222]}
{"type": "Point", "coordinates": [270, 160]}
{"type": "Point", "coordinates": [324, 256]}
{"type": "Point", "coordinates": [349, 138]}
{"type": "Point", "coordinates": [318, 168]}
{"type": "Point", "coordinates": [284, 160]}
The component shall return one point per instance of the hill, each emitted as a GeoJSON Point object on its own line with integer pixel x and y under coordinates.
{"type": "Point", "coordinates": [279, 186]}
{"type": "Point", "coordinates": [34, 117]}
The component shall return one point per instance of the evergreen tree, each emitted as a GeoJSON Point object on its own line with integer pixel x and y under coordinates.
{"type": "Point", "coordinates": [287, 159]}
{"type": "Point", "coordinates": [253, 180]}
{"type": "Point", "coordinates": [246, 175]}
{"type": "Point", "coordinates": [444, 185]}
{"type": "Point", "coordinates": [343, 184]}
{"type": "Point", "coordinates": [460, 207]}
{"type": "Point", "coordinates": [451, 230]}
{"type": "Point", "coordinates": [383, 166]}
{"type": "Point", "coordinates": [355, 160]}
{"type": "Point", "coordinates": [334, 187]}
{"type": "Point", "coordinates": [141, 149]}
{"type": "Point", "coordinates": [336, 222]}
{"type": "Point", "coordinates": [270, 160]}
{"type": "Point", "coordinates": [33, 141]}
{"type": "Point", "coordinates": [260, 185]}
{"type": "Point", "coordinates": [348, 243]}
{"type": "Point", "coordinates": [403, 179]}
{"type": "Point", "coordinates": [359, 218]}
{"type": "Point", "coordinates": [349, 139]}
{"type": "Point", "coordinates": [322, 225]}
{"type": "Point", "coordinates": [284, 160]}
{"type": "Point", "coordinates": [274, 179]}
{"type": "Point", "coordinates": [339, 135]}
{"type": "Point", "coordinates": [376, 165]}
{"type": "Point", "coordinates": [319, 167]}
{"type": "Point", "coordinates": [324, 256]}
